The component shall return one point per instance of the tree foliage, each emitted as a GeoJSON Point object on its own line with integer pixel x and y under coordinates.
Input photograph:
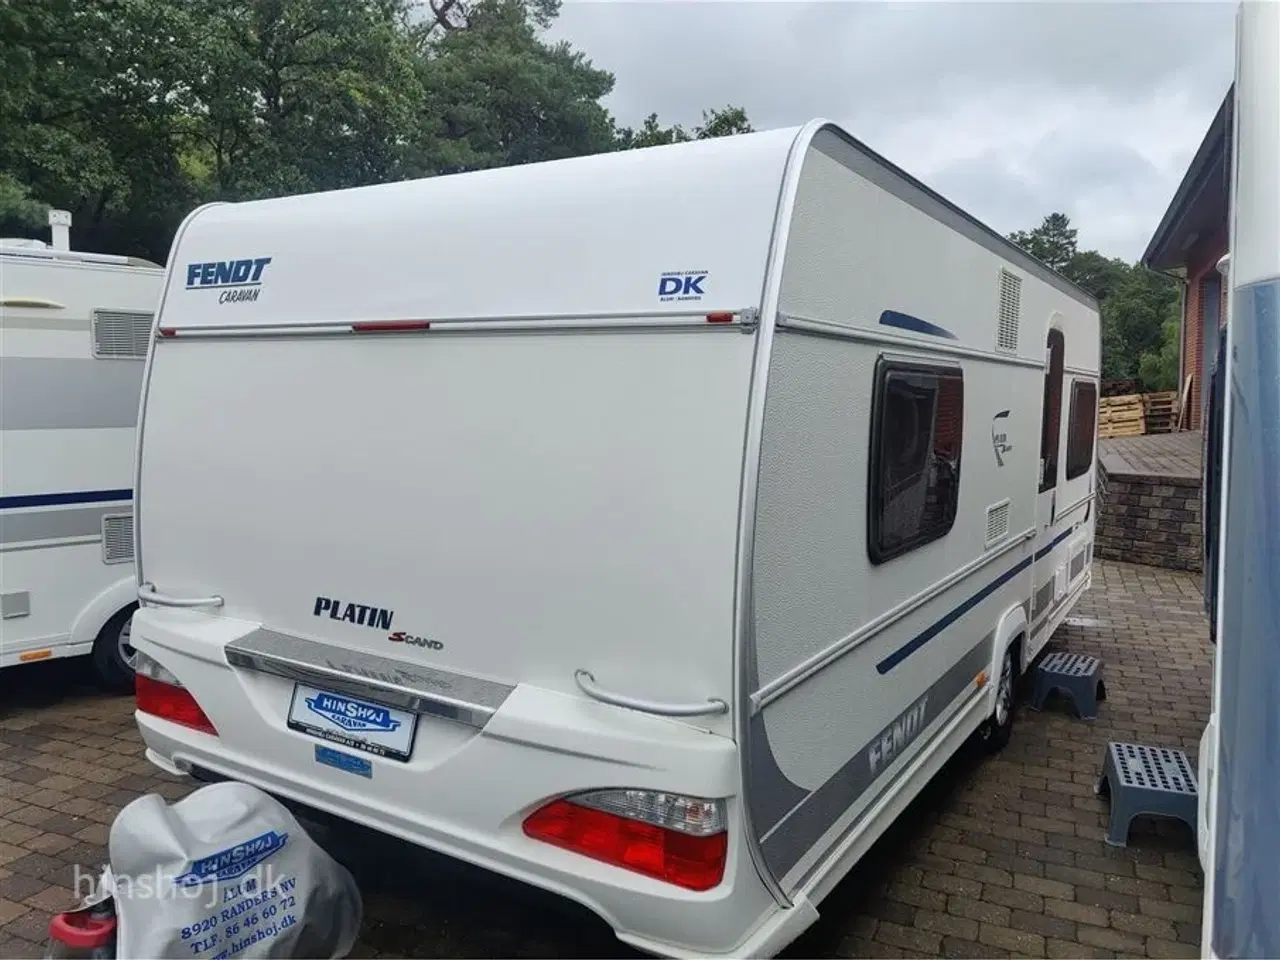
{"type": "Point", "coordinates": [131, 112]}
{"type": "Point", "coordinates": [1140, 319]}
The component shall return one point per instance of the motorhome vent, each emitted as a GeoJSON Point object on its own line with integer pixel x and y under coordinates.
{"type": "Point", "coordinates": [117, 538]}
{"type": "Point", "coordinates": [1010, 312]}
{"type": "Point", "coordinates": [997, 522]}
{"type": "Point", "coordinates": [121, 334]}
{"type": "Point", "coordinates": [1077, 564]}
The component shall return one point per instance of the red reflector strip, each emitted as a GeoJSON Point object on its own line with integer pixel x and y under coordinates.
{"type": "Point", "coordinates": [719, 318]}
{"type": "Point", "coordinates": [168, 332]}
{"type": "Point", "coordinates": [385, 326]}
{"type": "Point", "coordinates": [695, 863]}
{"type": "Point", "coordinates": [170, 703]}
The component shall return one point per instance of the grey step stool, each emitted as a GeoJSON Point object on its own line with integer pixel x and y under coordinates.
{"type": "Point", "coordinates": [1075, 674]}
{"type": "Point", "coordinates": [1146, 780]}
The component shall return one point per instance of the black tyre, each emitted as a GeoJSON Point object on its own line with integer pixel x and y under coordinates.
{"type": "Point", "coordinates": [113, 655]}
{"type": "Point", "coordinates": [999, 726]}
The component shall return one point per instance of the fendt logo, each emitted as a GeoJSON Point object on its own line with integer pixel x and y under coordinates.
{"type": "Point", "coordinates": [681, 285]}
{"type": "Point", "coordinates": [239, 280]}
{"type": "Point", "coordinates": [999, 439]}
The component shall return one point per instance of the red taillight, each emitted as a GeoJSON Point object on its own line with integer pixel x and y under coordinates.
{"type": "Point", "coordinates": [389, 326]}
{"type": "Point", "coordinates": [693, 862]}
{"type": "Point", "coordinates": [170, 703]}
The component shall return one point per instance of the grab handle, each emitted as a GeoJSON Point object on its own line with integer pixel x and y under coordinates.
{"type": "Point", "coordinates": [147, 594]}
{"type": "Point", "coordinates": [587, 684]}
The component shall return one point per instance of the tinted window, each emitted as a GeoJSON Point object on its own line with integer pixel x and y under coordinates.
{"type": "Point", "coordinates": [1084, 417]}
{"type": "Point", "coordinates": [918, 421]}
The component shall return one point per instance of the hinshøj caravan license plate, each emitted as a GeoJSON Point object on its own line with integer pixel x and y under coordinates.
{"type": "Point", "coordinates": [353, 722]}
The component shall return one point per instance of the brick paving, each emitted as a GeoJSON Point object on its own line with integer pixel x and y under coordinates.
{"type": "Point", "coordinates": [999, 857]}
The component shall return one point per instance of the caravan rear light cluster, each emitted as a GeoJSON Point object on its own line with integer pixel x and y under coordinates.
{"type": "Point", "coordinates": [159, 693]}
{"type": "Point", "coordinates": [680, 840]}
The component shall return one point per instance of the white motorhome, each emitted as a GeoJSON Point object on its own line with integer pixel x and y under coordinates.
{"type": "Point", "coordinates": [74, 329]}
{"type": "Point", "coordinates": [648, 527]}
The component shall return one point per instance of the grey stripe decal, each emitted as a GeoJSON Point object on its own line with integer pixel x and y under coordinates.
{"type": "Point", "coordinates": [43, 393]}
{"type": "Point", "coordinates": [870, 166]}
{"type": "Point", "coordinates": [44, 323]}
{"type": "Point", "coordinates": [816, 814]}
{"type": "Point", "coordinates": [56, 524]}
{"type": "Point", "coordinates": [1044, 597]}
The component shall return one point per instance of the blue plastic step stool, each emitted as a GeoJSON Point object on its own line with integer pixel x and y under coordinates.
{"type": "Point", "coordinates": [1074, 674]}
{"type": "Point", "coordinates": [1146, 780]}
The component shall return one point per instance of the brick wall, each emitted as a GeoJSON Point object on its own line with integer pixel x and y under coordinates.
{"type": "Point", "coordinates": [1151, 520]}
{"type": "Point", "coordinates": [1201, 265]}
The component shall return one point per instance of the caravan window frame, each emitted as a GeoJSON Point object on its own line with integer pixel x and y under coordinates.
{"type": "Point", "coordinates": [1080, 454]}
{"type": "Point", "coordinates": [886, 367]}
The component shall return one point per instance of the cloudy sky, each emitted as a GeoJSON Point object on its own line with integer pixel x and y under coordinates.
{"type": "Point", "coordinates": [1010, 109]}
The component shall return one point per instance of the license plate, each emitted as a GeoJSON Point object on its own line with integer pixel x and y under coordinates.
{"type": "Point", "coordinates": [353, 722]}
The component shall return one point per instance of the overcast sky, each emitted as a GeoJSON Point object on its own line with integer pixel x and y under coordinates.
{"type": "Point", "coordinates": [1010, 109]}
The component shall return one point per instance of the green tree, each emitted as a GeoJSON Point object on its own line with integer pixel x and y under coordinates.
{"type": "Point", "coordinates": [726, 122]}
{"type": "Point", "coordinates": [1052, 243]}
{"type": "Point", "coordinates": [1136, 304]}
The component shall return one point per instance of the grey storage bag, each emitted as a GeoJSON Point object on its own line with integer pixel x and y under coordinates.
{"type": "Point", "coordinates": [226, 872]}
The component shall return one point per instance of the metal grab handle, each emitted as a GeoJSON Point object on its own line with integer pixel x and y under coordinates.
{"type": "Point", "coordinates": [147, 594]}
{"type": "Point", "coordinates": [587, 684]}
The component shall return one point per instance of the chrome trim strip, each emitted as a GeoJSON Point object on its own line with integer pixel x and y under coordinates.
{"type": "Point", "coordinates": [824, 658]}
{"type": "Point", "coordinates": [930, 346]}
{"type": "Point", "coordinates": [427, 690]}
{"type": "Point", "coordinates": [587, 684]}
{"type": "Point", "coordinates": [147, 594]}
{"type": "Point", "coordinates": [604, 321]}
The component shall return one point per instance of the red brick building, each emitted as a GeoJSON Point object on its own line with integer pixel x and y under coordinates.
{"type": "Point", "coordinates": [1191, 239]}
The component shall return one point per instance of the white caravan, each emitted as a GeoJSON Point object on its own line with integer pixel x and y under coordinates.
{"type": "Point", "coordinates": [74, 329]}
{"type": "Point", "coordinates": [648, 527]}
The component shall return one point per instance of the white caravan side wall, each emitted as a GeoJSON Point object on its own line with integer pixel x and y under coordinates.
{"type": "Point", "coordinates": [846, 650]}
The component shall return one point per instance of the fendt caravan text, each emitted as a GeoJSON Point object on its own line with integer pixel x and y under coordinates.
{"type": "Point", "coordinates": [74, 329]}
{"type": "Point", "coordinates": [649, 527]}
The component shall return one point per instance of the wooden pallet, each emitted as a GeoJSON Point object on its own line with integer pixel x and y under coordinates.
{"type": "Point", "coordinates": [1123, 416]}
{"type": "Point", "coordinates": [1160, 411]}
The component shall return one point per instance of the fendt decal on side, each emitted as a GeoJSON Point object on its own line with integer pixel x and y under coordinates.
{"type": "Point", "coordinates": [999, 438]}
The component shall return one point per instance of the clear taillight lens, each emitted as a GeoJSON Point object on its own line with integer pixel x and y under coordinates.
{"type": "Point", "coordinates": [677, 839]}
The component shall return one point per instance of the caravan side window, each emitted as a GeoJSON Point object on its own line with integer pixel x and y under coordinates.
{"type": "Point", "coordinates": [1084, 418]}
{"type": "Point", "coordinates": [917, 425]}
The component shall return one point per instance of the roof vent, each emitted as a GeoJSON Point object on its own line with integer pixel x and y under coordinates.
{"type": "Point", "coordinates": [1010, 312]}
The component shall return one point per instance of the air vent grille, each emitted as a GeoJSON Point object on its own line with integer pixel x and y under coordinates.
{"type": "Point", "coordinates": [117, 538]}
{"type": "Point", "coordinates": [121, 334]}
{"type": "Point", "coordinates": [997, 522]}
{"type": "Point", "coordinates": [1010, 312]}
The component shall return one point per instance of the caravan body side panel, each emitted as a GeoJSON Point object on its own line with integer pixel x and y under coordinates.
{"type": "Point", "coordinates": [861, 670]}
{"type": "Point", "coordinates": [67, 416]}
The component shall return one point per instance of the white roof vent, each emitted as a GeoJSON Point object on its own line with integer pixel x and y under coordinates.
{"type": "Point", "coordinates": [60, 229]}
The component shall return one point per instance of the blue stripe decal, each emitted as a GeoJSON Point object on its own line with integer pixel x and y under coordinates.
{"type": "Point", "coordinates": [918, 641]}
{"type": "Point", "coordinates": [904, 321]}
{"type": "Point", "coordinates": [64, 499]}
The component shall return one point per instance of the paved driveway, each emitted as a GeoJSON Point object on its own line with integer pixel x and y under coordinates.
{"type": "Point", "coordinates": [999, 857]}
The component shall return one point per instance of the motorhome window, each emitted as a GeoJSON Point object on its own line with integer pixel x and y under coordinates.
{"type": "Point", "coordinates": [1084, 417]}
{"type": "Point", "coordinates": [918, 422]}
{"type": "Point", "coordinates": [1051, 421]}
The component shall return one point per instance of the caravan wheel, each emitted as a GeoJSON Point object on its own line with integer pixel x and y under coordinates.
{"type": "Point", "coordinates": [113, 654]}
{"type": "Point", "coordinates": [999, 726]}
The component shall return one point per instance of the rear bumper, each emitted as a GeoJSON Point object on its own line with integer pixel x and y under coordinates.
{"type": "Point", "coordinates": [465, 793]}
